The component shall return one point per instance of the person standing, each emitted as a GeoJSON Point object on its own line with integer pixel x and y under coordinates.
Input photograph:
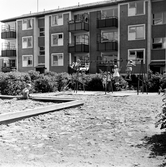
{"type": "Point", "coordinates": [116, 74]}
{"type": "Point", "coordinates": [109, 77]}
{"type": "Point", "coordinates": [104, 81]}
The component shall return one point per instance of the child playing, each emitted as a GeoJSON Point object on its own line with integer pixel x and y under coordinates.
{"type": "Point", "coordinates": [129, 68]}
{"type": "Point", "coordinates": [25, 92]}
{"type": "Point", "coordinates": [116, 74]}
{"type": "Point", "coordinates": [104, 81]}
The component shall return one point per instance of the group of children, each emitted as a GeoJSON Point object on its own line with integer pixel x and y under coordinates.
{"type": "Point", "coordinates": [107, 78]}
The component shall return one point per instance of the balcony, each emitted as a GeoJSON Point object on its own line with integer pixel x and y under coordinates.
{"type": "Point", "coordinates": [8, 32]}
{"type": "Point", "coordinates": [105, 44]}
{"type": "Point", "coordinates": [78, 48]}
{"type": "Point", "coordinates": [104, 65]}
{"type": "Point", "coordinates": [8, 50]}
{"type": "Point", "coordinates": [8, 69]}
{"type": "Point", "coordinates": [8, 65]}
{"type": "Point", "coordinates": [107, 22]}
{"type": "Point", "coordinates": [158, 31]}
{"type": "Point", "coordinates": [41, 60]}
{"type": "Point", "coordinates": [41, 41]}
{"type": "Point", "coordinates": [78, 26]}
{"type": "Point", "coordinates": [158, 54]}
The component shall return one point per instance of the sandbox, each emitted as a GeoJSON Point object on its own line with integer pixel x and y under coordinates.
{"type": "Point", "coordinates": [58, 104]}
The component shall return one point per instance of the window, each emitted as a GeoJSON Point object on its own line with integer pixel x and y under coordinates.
{"type": "Point", "coordinates": [57, 39]}
{"type": "Point", "coordinates": [41, 32]}
{"type": "Point", "coordinates": [109, 36]}
{"type": "Point", "coordinates": [12, 63]}
{"type": "Point", "coordinates": [57, 59]}
{"type": "Point", "coordinates": [109, 57]}
{"type": "Point", "coordinates": [109, 13]}
{"type": "Point", "coordinates": [42, 50]}
{"type": "Point", "coordinates": [26, 24]}
{"type": "Point", "coordinates": [136, 32]}
{"type": "Point", "coordinates": [57, 19]}
{"type": "Point", "coordinates": [82, 39]}
{"type": "Point", "coordinates": [9, 63]}
{"type": "Point", "coordinates": [41, 59]}
{"type": "Point", "coordinates": [159, 43]}
{"type": "Point", "coordinates": [137, 55]}
{"type": "Point", "coordinates": [159, 18]}
{"type": "Point", "coordinates": [81, 17]}
{"type": "Point", "coordinates": [27, 42]}
{"type": "Point", "coordinates": [84, 60]}
{"type": "Point", "coordinates": [27, 60]}
{"type": "Point", "coordinates": [136, 8]}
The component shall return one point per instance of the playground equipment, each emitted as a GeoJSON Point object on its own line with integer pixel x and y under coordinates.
{"type": "Point", "coordinates": [78, 69]}
{"type": "Point", "coordinates": [107, 76]}
{"type": "Point", "coordinates": [141, 76]}
{"type": "Point", "coordinates": [142, 79]}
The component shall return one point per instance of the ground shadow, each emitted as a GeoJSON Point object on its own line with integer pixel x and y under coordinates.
{"type": "Point", "coordinates": [157, 144]}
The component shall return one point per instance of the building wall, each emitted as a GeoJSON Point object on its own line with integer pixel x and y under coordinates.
{"type": "Point", "coordinates": [158, 31]}
{"type": "Point", "coordinates": [21, 51]}
{"type": "Point", "coordinates": [159, 6]}
{"type": "Point", "coordinates": [93, 41]}
{"type": "Point", "coordinates": [60, 49]}
{"type": "Point", "coordinates": [126, 21]}
{"type": "Point", "coordinates": [1, 63]}
{"type": "Point", "coordinates": [124, 44]}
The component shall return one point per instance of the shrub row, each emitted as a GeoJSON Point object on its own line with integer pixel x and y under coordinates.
{"type": "Point", "coordinates": [13, 83]}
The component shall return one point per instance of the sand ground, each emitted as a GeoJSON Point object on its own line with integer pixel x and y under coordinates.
{"type": "Point", "coordinates": [106, 131]}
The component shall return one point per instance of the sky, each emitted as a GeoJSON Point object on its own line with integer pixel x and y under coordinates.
{"type": "Point", "coordinates": [14, 8]}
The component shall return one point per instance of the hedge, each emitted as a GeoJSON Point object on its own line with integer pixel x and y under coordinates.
{"type": "Point", "coordinates": [12, 83]}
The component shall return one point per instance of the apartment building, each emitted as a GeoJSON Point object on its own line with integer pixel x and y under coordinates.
{"type": "Point", "coordinates": [99, 34]}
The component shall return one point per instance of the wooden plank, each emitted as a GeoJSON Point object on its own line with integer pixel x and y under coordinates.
{"type": "Point", "coordinates": [37, 111]}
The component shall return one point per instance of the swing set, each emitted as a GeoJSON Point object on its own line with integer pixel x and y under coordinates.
{"type": "Point", "coordinates": [107, 77]}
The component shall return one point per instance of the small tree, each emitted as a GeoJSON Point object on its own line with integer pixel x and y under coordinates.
{"type": "Point", "coordinates": [162, 116]}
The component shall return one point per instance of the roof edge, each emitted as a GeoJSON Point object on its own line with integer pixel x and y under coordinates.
{"type": "Point", "coordinates": [65, 9]}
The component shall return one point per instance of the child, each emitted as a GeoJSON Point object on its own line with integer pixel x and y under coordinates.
{"type": "Point", "coordinates": [116, 74]}
{"type": "Point", "coordinates": [25, 92]}
{"type": "Point", "coordinates": [104, 81]}
{"type": "Point", "coordinates": [129, 68]}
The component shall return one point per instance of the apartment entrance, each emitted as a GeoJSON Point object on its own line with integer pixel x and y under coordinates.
{"type": "Point", "coordinates": [157, 67]}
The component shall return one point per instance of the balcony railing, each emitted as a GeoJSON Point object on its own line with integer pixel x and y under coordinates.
{"type": "Point", "coordinates": [78, 26]}
{"type": "Point", "coordinates": [8, 50]}
{"type": "Point", "coordinates": [79, 48]}
{"type": "Point", "coordinates": [41, 59]}
{"type": "Point", "coordinates": [8, 32]}
{"type": "Point", "coordinates": [8, 69]}
{"type": "Point", "coordinates": [41, 41]}
{"type": "Point", "coordinates": [158, 54]}
{"type": "Point", "coordinates": [107, 22]}
{"type": "Point", "coordinates": [106, 44]}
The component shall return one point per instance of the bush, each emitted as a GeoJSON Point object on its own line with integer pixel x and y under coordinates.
{"type": "Point", "coordinates": [94, 82]}
{"type": "Point", "coordinates": [45, 84]}
{"type": "Point", "coordinates": [34, 75]}
{"type": "Point", "coordinates": [50, 73]}
{"type": "Point", "coordinates": [62, 81]}
{"type": "Point", "coordinates": [154, 83]}
{"type": "Point", "coordinates": [162, 116]}
{"type": "Point", "coordinates": [13, 83]}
